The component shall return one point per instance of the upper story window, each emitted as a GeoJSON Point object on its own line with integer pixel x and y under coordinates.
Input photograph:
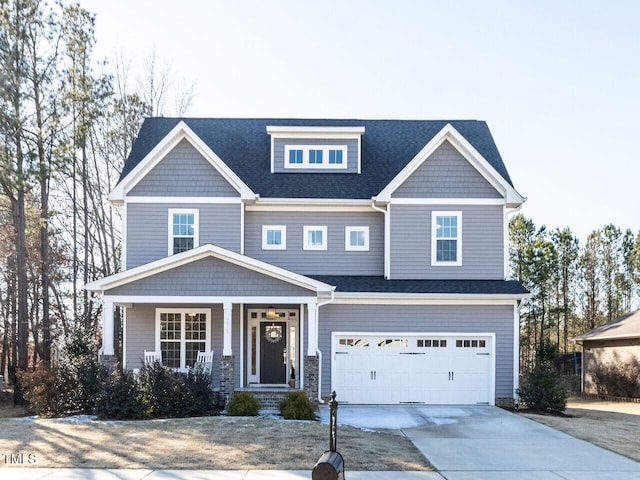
{"type": "Point", "coordinates": [315, 156]}
{"type": "Point", "coordinates": [356, 238]}
{"type": "Point", "coordinates": [446, 238]}
{"type": "Point", "coordinates": [183, 229]}
{"type": "Point", "coordinates": [315, 238]}
{"type": "Point", "coordinates": [274, 237]}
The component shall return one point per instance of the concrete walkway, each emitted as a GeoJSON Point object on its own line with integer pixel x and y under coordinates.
{"type": "Point", "coordinates": [91, 474]}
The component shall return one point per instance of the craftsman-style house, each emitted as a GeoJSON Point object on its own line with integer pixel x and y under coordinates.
{"type": "Point", "coordinates": [368, 257]}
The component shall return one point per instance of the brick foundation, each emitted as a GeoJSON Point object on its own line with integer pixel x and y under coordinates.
{"type": "Point", "coordinates": [311, 377]}
{"type": "Point", "coordinates": [227, 378]}
{"type": "Point", "coordinates": [505, 402]}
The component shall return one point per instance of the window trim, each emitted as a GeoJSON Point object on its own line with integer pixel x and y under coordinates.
{"type": "Point", "coordinates": [325, 156]}
{"type": "Point", "coordinates": [196, 227]}
{"type": "Point", "coordinates": [305, 237]}
{"type": "Point", "coordinates": [283, 234]}
{"type": "Point", "coordinates": [183, 341]}
{"type": "Point", "coordinates": [347, 239]}
{"type": "Point", "coordinates": [434, 249]}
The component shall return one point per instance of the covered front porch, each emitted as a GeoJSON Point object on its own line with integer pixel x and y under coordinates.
{"type": "Point", "coordinates": [260, 321]}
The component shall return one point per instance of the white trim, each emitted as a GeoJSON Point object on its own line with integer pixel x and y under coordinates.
{"type": "Point", "coordinates": [280, 131]}
{"type": "Point", "coordinates": [205, 299]}
{"type": "Point", "coordinates": [434, 240]}
{"type": "Point", "coordinates": [196, 227]}
{"type": "Point", "coordinates": [449, 133]}
{"type": "Point", "coordinates": [448, 201]}
{"type": "Point", "coordinates": [516, 350]}
{"type": "Point", "coordinates": [242, 229]}
{"type": "Point", "coordinates": [505, 243]}
{"type": "Point", "coordinates": [188, 200]}
{"type": "Point", "coordinates": [306, 230]}
{"type": "Point", "coordinates": [124, 337]}
{"type": "Point", "coordinates": [227, 326]}
{"type": "Point", "coordinates": [367, 298]}
{"type": "Point", "coordinates": [348, 202]}
{"type": "Point", "coordinates": [309, 208]}
{"type": "Point", "coordinates": [107, 327]}
{"type": "Point", "coordinates": [387, 243]}
{"type": "Point", "coordinates": [242, 370]}
{"type": "Point", "coordinates": [312, 334]}
{"type": "Point", "coordinates": [183, 340]}
{"type": "Point", "coordinates": [283, 237]}
{"type": "Point", "coordinates": [205, 251]}
{"type": "Point", "coordinates": [301, 318]}
{"type": "Point", "coordinates": [123, 240]}
{"type": "Point", "coordinates": [306, 161]}
{"type": "Point", "coordinates": [180, 132]}
{"type": "Point", "coordinates": [347, 239]}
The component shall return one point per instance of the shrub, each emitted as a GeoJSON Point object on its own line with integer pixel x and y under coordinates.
{"type": "Point", "coordinates": [199, 396]}
{"type": "Point", "coordinates": [243, 404]}
{"type": "Point", "coordinates": [41, 390]}
{"type": "Point", "coordinates": [297, 406]}
{"type": "Point", "coordinates": [161, 392]}
{"type": "Point", "coordinates": [119, 397]}
{"type": "Point", "coordinates": [542, 388]}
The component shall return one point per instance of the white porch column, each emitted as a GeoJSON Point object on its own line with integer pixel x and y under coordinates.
{"type": "Point", "coordinates": [312, 332]}
{"type": "Point", "coordinates": [107, 327]}
{"type": "Point", "coordinates": [226, 350]}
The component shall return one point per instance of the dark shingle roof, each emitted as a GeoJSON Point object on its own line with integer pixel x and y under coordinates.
{"type": "Point", "coordinates": [355, 284]}
{"type": "Point", "coordinates": [245, 146]}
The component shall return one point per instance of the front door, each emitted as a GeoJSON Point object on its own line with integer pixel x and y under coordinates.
{"type": "Point", "coordinates": [273, 352]}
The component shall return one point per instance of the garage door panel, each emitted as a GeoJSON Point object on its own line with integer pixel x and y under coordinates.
{"type": "Point", "coordinates": [413, 368]}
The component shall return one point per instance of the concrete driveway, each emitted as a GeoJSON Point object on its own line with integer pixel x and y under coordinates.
{"type": "Point", "coordinates": [489, 443]}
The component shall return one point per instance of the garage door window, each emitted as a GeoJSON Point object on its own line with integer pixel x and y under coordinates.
{"type": "Point", "coordinates": [394, 342]}
{"type": "Point", "coordinates": [466, 343]}
{"type": "Point", "coordinates": [354, 342]}
{"type": "Point", "coordinates": [431, 343]}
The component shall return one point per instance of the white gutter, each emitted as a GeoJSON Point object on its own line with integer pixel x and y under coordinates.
{"type": "Point", "coordinates": [322, 304]}
{"type": "Point", "coordinates": [387, 239]}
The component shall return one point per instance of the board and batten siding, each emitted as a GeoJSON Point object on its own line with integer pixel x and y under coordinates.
{"type": "Point", "coordinates": [148, 228]}
{"type": "Point", "coordinates": [141, 334]}
{"type": "Point", "coordinates": [446, 174]}
{"type": "Point", "coordinates": [210, 276]}
{"type": "Point", "coordinates": [279, 160]}
{"type": "Point", "coordinates": [482, 243]}
{"type": "Point", "coordinates": [183, 172]}
{"type": "Point", "coordinates": [496, 319]}
{"type": "Point", "coordinates": [333, 261]}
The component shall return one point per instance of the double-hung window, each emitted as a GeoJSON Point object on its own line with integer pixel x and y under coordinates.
{"type": "Point", "coordinates": [274, 237]}
{"type": "Point", "coordinates": [181, 334]}
{"type": "Point", "coordinates": [356, 238]}
{"type": "Point", "coordinates": [183, 230]}
{"type": "Point", "coordinates": [446, 238]}
{"type": "Point", "coordinates": [315, 238]}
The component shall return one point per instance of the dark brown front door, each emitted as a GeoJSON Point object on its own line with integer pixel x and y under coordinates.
{"type": "Point", "coordinates": [273, 345]}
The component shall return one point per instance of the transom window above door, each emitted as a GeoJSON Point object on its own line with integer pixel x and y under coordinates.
{"type": "Point", "coordinates": [183, 229]}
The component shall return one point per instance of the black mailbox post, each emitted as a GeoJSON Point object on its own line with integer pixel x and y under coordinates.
{"type": "Point", "coordinates": [330, 466]}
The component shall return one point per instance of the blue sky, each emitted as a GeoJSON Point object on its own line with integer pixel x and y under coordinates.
{"type": "Point", "coordinates": [557, 81]}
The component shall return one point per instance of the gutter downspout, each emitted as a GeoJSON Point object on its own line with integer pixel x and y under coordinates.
{"type": "Point", "coordinates": [387, 239]}
{"type": "Point", "coordinates": [322, 304]}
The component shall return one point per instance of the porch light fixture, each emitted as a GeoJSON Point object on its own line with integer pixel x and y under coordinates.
{"type": "Point", "coordinates": [271, 313]}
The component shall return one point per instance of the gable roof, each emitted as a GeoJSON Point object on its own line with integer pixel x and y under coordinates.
{"type": "Point", "coordinates": [627, 326]}
{"type": "Point", "coordinates": [244, 145]}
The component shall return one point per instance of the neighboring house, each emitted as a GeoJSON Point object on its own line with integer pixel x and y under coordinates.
{"type": "Point", "coordinates": [609, 347]}
{"type": "Point", "coordinates": [368, 257]}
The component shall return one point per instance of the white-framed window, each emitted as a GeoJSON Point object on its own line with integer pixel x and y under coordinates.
{"type": "Point", "coordinates": [183, 230]}
{"type": "Point", "coordinates": [315, 156]}
{"type": "Point", "coordinates": [356, 238]}
{"type": "Point", "coordinates": [315, 238]}
{"type": "Point", "coordinates": [274, 237]}
{"type": "Point", "coordinates": [446, 238]}
{"type": "Point", "coordinates": [181, 333]}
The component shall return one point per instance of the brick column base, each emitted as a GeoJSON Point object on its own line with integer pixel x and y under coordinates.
{"type": "Point", "coordinates": [505, 402]}
{"type": "Point", "coordinates": [311, 377]}
{"type": "Point", "coordinates": [109, 361]}
{"type": "Point", "coordinates": [227, 377]}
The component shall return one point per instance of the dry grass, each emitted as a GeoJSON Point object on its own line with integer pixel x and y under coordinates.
{"type": "Point", "coordinates": [225, 443]}
{"type": "Point", "coordinates": [610, 425]}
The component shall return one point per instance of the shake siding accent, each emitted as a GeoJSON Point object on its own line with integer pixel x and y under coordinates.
{"type": "Point", "coordinates": [183, 172]}
{"type": "Point", "coordinates": [148, 229]}
{"type": "Point", "coordinates": [141, 324]}
{"type": "Point", "coordinates": [210, 276]}
{"type": "Point", "coordinates": [482, 243]}
{"type": "Point", "coordinates": [496, 319]}
{"type": "Point", "coordinates": [446, 174]}
{"type": "Point", "coordinates": [279, 160]}
{"type": "Point", "coordinates": [333, 261]}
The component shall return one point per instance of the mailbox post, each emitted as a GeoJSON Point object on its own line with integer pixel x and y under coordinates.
{"type": "Point", "coordinates": [330, 466]}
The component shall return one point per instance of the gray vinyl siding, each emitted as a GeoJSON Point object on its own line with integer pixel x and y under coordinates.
{"type": "Point", "coordinates": [141, 334]}
{"type": "Point", "coordinates": [210, 276]}
{"type": "Point", "coordinates": [446, 174]}
{"type": "Point", "coordinates": [183, 172]}
{"type": "Point", "coordinates": [496, 319]}
{"type": "Point", "coordinates": [482, 243]}
{"type": "Point", "coordinates": [148, 228]}
{"type": "Point", "coordinates": [333, 261]}
{"type": "Point", "coordinates": [278, 155]}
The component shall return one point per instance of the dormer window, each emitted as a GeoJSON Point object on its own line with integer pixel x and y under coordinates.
{"type": "Point", "coordinates": [315, 156]}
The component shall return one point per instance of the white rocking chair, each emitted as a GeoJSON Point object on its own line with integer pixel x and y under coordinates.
{"type": "Point", "coordinates": [150, 358]}
{"type": "Point", "coordinates": [204, 362]}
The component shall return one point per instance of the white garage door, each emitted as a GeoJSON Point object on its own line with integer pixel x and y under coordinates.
{"type": "Point", "coordinates": [413, 368]}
